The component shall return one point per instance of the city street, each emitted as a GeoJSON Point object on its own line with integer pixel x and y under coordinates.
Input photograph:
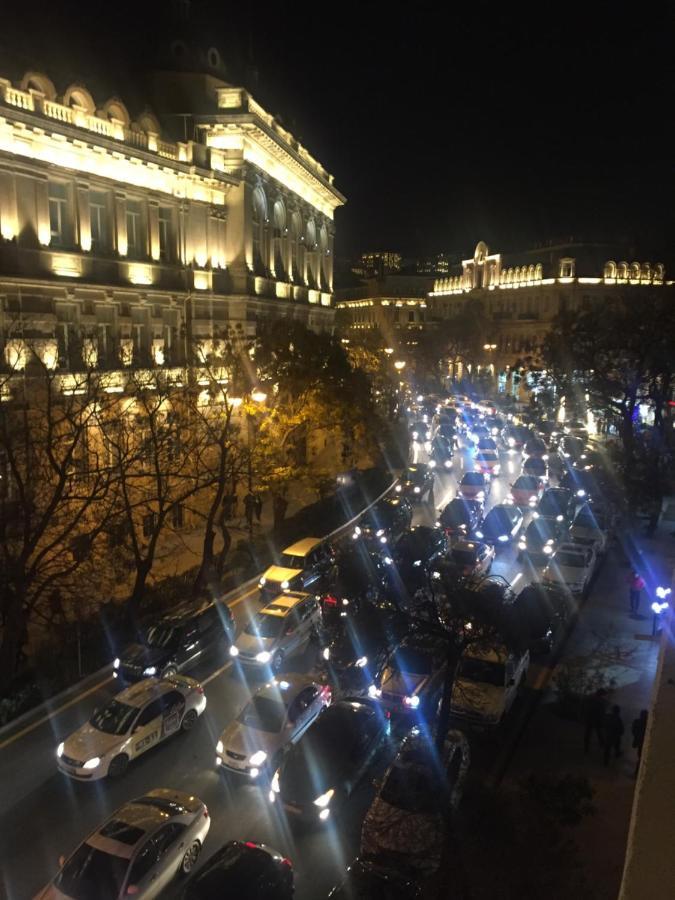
{"type": "Point", "coordinates": [35, 792]}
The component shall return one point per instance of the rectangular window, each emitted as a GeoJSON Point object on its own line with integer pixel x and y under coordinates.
{"type": "Point", "coordinates": [135, 243]}
{"type": "Point", "coordinates": [165, 232]}
{"type": "Point", "coordinates": [98, 211]}
{"type": "Point", "coordinates": [58, 201]}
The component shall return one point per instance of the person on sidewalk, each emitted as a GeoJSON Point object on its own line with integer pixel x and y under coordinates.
{"type": "Point", "coordinates": [595, 718]}
{"type": "Point", "coordinates": [613, 733]}
{"type": "Point", "coordinates": [638, 729]}
{"type": "Point", "coordinates": [635, 586]}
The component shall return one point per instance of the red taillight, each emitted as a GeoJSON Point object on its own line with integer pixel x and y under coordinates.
{"type": "Point", "coordinates": [206, 813]}
{"type": "Point", "coordinates": [387, 715]}
{"type": "Point", "coordinates": [200, 689]}
{"type": "Point", "coordinates": [251, 845]}
{"type": "Point", "coordinates": [330, 600]}
{"type": "Point", "coordinates": [286, 862]}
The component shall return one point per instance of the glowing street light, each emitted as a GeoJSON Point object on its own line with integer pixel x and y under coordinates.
{"type": "Point", "coordinates": [258, 396]}
{"type": "Point", "coordinates": [399, 365]}
{"type": "Point", "coordinates": [388, 350]}
{"type": "Point", "coordinates": [489, 346]}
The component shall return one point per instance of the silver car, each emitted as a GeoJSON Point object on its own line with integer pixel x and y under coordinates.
{"type": "Point", "coordinates": [277, 715]}
{"type": "Point", "coordinates": [278, 630]}
{"type": "Point", "coordinates": [137, 852]}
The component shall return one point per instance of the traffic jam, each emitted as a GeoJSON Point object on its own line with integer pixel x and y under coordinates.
{"type": "Point", "coordinates": [345, 658]}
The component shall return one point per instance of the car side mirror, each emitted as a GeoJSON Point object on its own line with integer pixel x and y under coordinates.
{"type": "Point", "coordinates": [62, 861]}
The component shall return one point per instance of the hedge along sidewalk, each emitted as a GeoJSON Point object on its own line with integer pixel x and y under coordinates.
{"type": "Point", "coordinates": [52, 706]}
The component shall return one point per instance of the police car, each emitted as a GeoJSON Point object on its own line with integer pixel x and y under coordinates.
{"type": "Point", "coordinates": [131, 723]}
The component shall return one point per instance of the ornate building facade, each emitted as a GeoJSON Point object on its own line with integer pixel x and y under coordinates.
{"type": "Point", "coordinates": [121, 249]}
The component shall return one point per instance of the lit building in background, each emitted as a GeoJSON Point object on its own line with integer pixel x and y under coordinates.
{"type": "Point", "coordinates": [377, 264]}
{"type": "Point", "coordinates": [433, 265]}
{"type": "Point", "coordinates": [121, 248]}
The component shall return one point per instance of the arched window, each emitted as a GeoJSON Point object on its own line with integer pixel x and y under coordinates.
{"type": "Point", "coordinates": [297, 248]}
{"type": "Point", "coordinates": [538, 271]}
{"type": "Point", "coordinates": [310, 250]}
{"type": "Point", "coordinates": [634, 274]}
{"type": "Point", "coordinates": [646, 272]}
{"type": "Point", "coordinates": [279, 238]}
{"type": "Point", "coordinates": [115, 109]}
{"type": "Point", "coordinates": [36, 81]}
{"type": "Point", "coordinates": [79, 96]}
{"type": "Point", "coordinates": [259, 232]}
{"type": "Point", "coordinates": [530, 273]}
{"type": "Point", "coordinates": [659, 272]}
{"type": "Point", "coordinates": [610, 269]}
{"type": "Point", "coordinates": [622, 270]}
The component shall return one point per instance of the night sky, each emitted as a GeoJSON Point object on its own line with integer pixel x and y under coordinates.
{"type": "Point", "coordinates": [514, 124]}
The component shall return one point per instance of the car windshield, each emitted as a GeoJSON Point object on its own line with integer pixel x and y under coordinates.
{"type": "Point", "coordinates": [535, 465]}
{"type": "Point", "coordinates": [91, 874]}
{"type": "Point", "coordinates": [115, 718]}
{"type": "Point", "coordinates": [498, 518]}
{"type": "Point", "coordinates": [573, 560]}
{"type": "Point", "coordinates": [412, 661]}
{"type": "Point", "coordinates": [526, 483]}
{"type": "Point", "coordinates": [410, 785]}
{"type": "Point", "coordinates": [464, 557]}
{"type": "Point", "coordinates": [291, 561]}
{"type": "Point", "coordinates": [160, 636]}
{"type": "Point", "coordinates": [265, 625]}
{"type": "Point", "coordinates": [455, 514]}
{"type": "Point", "coordinates": [485, 671]}
{"type": "Point", "coordinates": [552, 504]}
{"type": "Point", "coordinates": [263, 714]}
{"type": "Point", "coordinates": [473, 478]}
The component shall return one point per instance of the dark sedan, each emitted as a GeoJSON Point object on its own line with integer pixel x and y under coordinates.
{"type": "Point", "coordinates": [420, 432]}
{"type": "Point", "coordinates": [556, 503]}
{"type": "Point", "coordinates": [501, 524]}
{"type": "Point", "coordinates": [413, 557]}
{"type": "Point", "coordinates": [543, 612]}
{"type": "Point", "coordinates": [384, 522]}
{"type": "Point", "coordinates": [245, 870]}
{"type": "Point", "coordinates": [369, 879]}
{"type": "Point", "coordinates": [416, 482]}
{"type": "Point", "coordinates": [319, 772]}
{"type": "Point", "coordinates": [582, 484]}
{"type": "Point", "coordinates": [411, 680]}
{"type": "Point", "coordinates": [441, 451]}
{"type": "Point", "coordinates": [540, 540]}
{"type": "Point", "coordinates": [358, 648]}
{"type": "Point", "coordinates": [461, 517]}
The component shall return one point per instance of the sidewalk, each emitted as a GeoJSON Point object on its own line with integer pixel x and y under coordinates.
{"type": "Point", "coordinates": [608, 639]}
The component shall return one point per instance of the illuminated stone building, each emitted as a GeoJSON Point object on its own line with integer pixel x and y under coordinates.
{"type": "Point", "coordinates": [396, 305]}
{"type": "Point", "coordinates": [120, 248]}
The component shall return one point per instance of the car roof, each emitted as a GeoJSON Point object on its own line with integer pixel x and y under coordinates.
{"type": "Point", "coordinates": [144, 691]}
{"type": "Point", "coordinates": [187, 610]}
{"type": "Point", "coordinates": [467, 545]}
{"type": "Point", "coordinates": [283, 604]}
{"type": "Point", "coordinates": [303, 547]}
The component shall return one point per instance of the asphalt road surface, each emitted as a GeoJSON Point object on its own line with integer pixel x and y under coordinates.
{"type": "Point", "coordinates": [43, 814]}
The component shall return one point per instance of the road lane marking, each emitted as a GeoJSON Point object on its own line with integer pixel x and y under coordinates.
{"type": "Point", "coordinates": [215, 674]}
{"type": "Point", "coordinates": [243, 597]}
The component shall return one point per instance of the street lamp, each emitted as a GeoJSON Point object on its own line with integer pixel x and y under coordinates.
{"type": "Point", "coordinates": [399, 365]}
{"type": "Point", "coordinates": [258, 396]}
{"type": "Point", "coordinates": [388, 350]}
{"type": "Point", "coordinates": [489, 346]}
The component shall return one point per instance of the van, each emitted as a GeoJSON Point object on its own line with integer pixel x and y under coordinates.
{"type": "Point", "coordinates": [301, 566]}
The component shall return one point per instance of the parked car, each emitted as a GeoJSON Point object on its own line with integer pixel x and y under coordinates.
{"type": "Point", "coordinates": [571, 448]}
{"type": "Point", "coordinates": [319, 773]}
{"type": "Point", "coordinates": [138, 851]}
{"type": "Point", "coordinates": [590, 527]}
{"type": "Point", "coordinates": [514, 437]}
{"type": "Point", "coordinates": [306, 564]}
{"type": "Point", "coordinates": [556, 503]}
{"type": "Point", "coordinates": [410, 681]}
{"type": "Point", "coordinates": [137, 719]}
{"type": "Point", "coordinates": [543, 612]}
{"type": "Point", "coordinates": [414, 556]}
{"type": "Point", "coordinates": [573, 566]}
{"type": "Point", "coordinates": [540, 540]}
{"type": "Point", "coordinates": [487, 683]}
{"type": "Point", "coordinates": [278, 630]}
{"type": "Point", "coordinates": [461, 517]}
{"type": "Point", "coordinates": [417, 482]}
{"type": "Point", "coordinates": [177, 641]}
{"type": "Point", "coordinates": [384, 521]}
{"type": "Point", "coordinates": [358, 648]}
{"type": "Point", "coordinates": [535, 465]}
{"type": "Point", "coordinates": [527, 490]}
{"type": "Point", "coordinates": [367, 879]}
{"type": "Point", "coordinates": [473, 486]}
{"type": "Point", "coordinates": [584, 485]}
{"type": "Point", "coordinates": [276, 716]}
{"type": "Point", "coordinates": [501, 524]}
{"type": "Point", "coordinates": [535, 447]}
{"type": "Point", "coordinates": [441, 450]}
{"type": "Point", "coordinates": [472, 558]}
{"type": "Point", "coordinates": [407, 818]}
{"type": "Point", "coordinates": [487, 462]}
{"type": "Point", "coordinates": [244, 870]}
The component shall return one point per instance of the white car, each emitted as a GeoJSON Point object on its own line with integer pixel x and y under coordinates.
{"type": "Point", "coordinates": [487, 684]}
{"type": "Point", "coordinates": [277, 715]}
{"type": "Point", "coordinates": [137, 719]}
{"type": "Point", "coordinates": [137, 852]}
{"type": "Point", "coordinates": [589, 528]}
{"type": "Point", "coordinates": [571, 565]}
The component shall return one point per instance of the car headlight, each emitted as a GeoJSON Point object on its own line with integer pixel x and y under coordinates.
{"type": "Point", "coordinates": [116, 664]}
{"type": "Point", "coordinates": [512, 442]}
{"type": "Point", "coordinates": [535, 515]}
{"type": "Point", "coordinates": [479, 534]}
{"type": "Point", "coordinates": [264, 656]}
{"type": "Point", "coordinates": [324, 799]}
{"type": "Point", "coordinates": [383, 539]}
{"type": "Point", "coordinates": [285, 584]}
{"type": "Point", "coordinates": [432, 463]}
{"type": "Point", "coordinates": [275, 782]}
{"type": "Point", "coordinates": [581, 493]}
{"type": "Point", "coordinates": [532, 501]}
{"type": "Point", "coordinates": [416, 489]}
{"type": "Point", "coordinates": [522, 545]}
{"type": "Point", "coordinates": [448, 463]}
{"type": "Point", "coordinates": [413, 702]}
{"type": "Point", "coordinates": [357, 530]}
{"type": "Point", "coordinates": [258, 758]}
{"type": "Point", "coordinates": [398, 488]}
{"type": "Point", "coordinates": [414, 434]}
{"type": "Point", "coordinates": [325, 653]}
{"type": "Point", "coordinates": [388, 560]}
{"type": "Point", "coordinates": [92, 763]}
{"type": "Point", "coordinates": [262, 582]}
{"type": "Point", "coordinates": [219, 747]}
{"type": "Point", "coordinates": [557, 518]}
{"type": "Point", "coordinates": [234, 651]}
{"type": "Point", "coordinates": [503, 538]}
{"type": "Point", "coordinates": [374, 692]}
{"type": "Point", "coordinates": [496, 469]}
{"type": "Point", "coordinates": [361, 662]}
{"type": "Point", "coordinates": [548, 549]}
{"type": "Point", "coordinates": [59, 750]}
{"type": "Point", "coordinates": [480, 495]}
{"type": "Point", "coordinates": [150, 670]}
{"type": "Point", "coordinates": [545, 457]}
{"type": "Point", "coordinates": [379, 532]}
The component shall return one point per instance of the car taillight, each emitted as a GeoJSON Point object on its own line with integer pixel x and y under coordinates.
{"type": "Point", "coordinates": [251, 845]}
{"type": "Point", "coordinates": [286, 862]}
{"type": "Point", "coordinates": [206, 813]}
{"type": "Point", "coordinates": [330, 600]}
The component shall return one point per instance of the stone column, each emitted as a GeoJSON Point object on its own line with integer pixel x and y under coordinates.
{"type": "Point", "coordinates": [83, 217]}
{"type": "Point", "coordinates": [153, 229]}
{"type": "Point", "coordinates": [9, 224]}
{"type": "Point", "coordinates": [42, 211]}
{"type": "Point", "coordinates": [121, 224]}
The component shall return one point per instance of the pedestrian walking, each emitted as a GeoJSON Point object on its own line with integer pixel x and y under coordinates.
{"type": "Point", "coordinates": [229, 506]}
{"type": "Point", "coordinates": [638, 729]}
{"type": "Point", "coordinates": [635, 586]}
{"type": "Point", "coordinates": [595, 718]}
{"type": "Point", "coordinates": [613, 733]}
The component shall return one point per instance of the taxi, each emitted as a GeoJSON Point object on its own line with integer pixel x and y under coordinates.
{"type": "Point", "coordinates": [135, 720]}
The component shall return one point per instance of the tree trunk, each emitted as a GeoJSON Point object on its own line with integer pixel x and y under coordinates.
{"type": "Point", "coordinates": [222, 556]}
{"type": "Point", "coordinates": [14, 634]}
{"type": "Point", "coordinates": [142, 571]}
{"type": "Point", "coordinates": [443, 721]}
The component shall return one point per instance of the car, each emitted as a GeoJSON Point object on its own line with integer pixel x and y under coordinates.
{"type": "Point", "coordinates": [589, 459]}
{"type": "Point", "coordinates": [540, 539]}
{"type": "Point", "coordinates": [138, 851]}
{"type": "Point", "coordinates": [407, 819]}
{"type": "Point", "coordinates": [527, 490]}
{"type": "Point", "coordinates": [590, 527]}
{"type": "Point", "coordinates": [277, 715]}
{"type": "Point", "coordinates": [495, 424]}
{"type": "Point", "coordinates": [410, 681]}
{"type": "Point", "coordinates": [571, 448]}
{"type": "Point", "coordinates": [414, 556]}
{"type": "Point", "coordinates": [487, 683]}
{"type": "Point", "coordinates": [572, 565]}
{"type": "Point", "coordinates": [514, 437]}
{"type": "Point", "coordinates": [487, 462]}
{"type": "Point", "coordinates": [417, 482]}
{"type": "Point", "coordinates": [556, 503]}
{"type": "Point", "coordinates": [384, 521]}
{"type": "Point", "coordinates": [543, 612]}
{"type": "Point", "coordinates": [278, 630]}
{"type": "Point", "coordinates": [461, 517]}
{"type": "Point", "coordinates": [420, 431]}
{"type": "Point", "coordinates": [319, 773]}
{"type": "Point", "coordinates": [368, 878]}
{"type": "Point", "coordinates": [177, 641]}
{"type": "Point", "coordinates": [473, 486]}
{"type": "Point", "coordinates": [245, 870]}
{"type": "Point", "coordinates": [577, 428]}
{"type": "Point", "coordinates": [137, 719]}
{"type": "Point", "coordinates": [307, 563]}
{"type": "Point", "coordinates": [472, 558]}
{"type": "Point", "coordinates": [500, 525]}
{"type": "Point", "coordinates": [535, 465]}
{"type": "Point", "coordinates": [534, 446]}
{"type": "Point", "coordinates": [357, 649]}
{"type": "Point", "coordinates": [477, 432]}
{"type": "Point", "coordinates": [584, 485]}
{"type": "Point", "coordinates": [487, 443]}
{"type": "Point", "coordinates": [441, 450]}
{"type": "Point", "coordinates": [448, 431]}
{"type": "Point", "coordinates": [361, 577]}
